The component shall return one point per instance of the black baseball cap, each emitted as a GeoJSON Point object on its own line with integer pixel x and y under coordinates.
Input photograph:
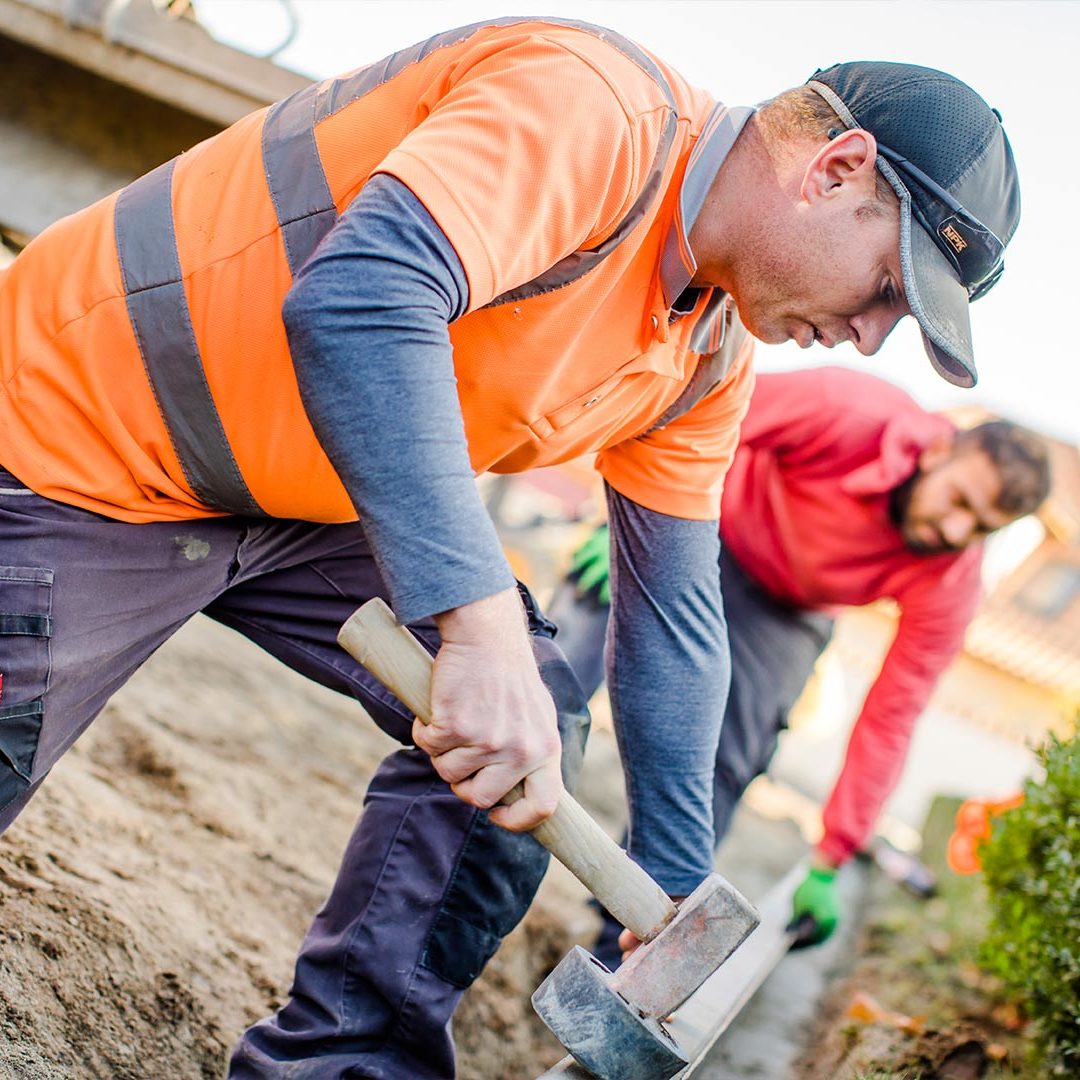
{"type": "Point", "coordinates": [945, 154]}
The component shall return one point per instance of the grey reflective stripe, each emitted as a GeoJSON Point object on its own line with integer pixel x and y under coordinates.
{"type": "Point", "coordinates": [713, 321]}
{"type": "Point", "coordinates": [157, 307]}
{"type": "Point", "coordinates": [294, 174]}
{"type": "Point", "coordinates": [712, 369]}
{"type": "Point", "coordinates": [341, 92]}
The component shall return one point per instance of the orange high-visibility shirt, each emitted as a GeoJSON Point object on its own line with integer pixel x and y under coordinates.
{"type": "Point", "coordinates": [531, 143]}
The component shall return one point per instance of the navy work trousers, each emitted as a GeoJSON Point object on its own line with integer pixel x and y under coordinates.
{"type": "Point", "coordinates": [427, 887]}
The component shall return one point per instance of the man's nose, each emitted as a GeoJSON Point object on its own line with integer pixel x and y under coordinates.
{"type": "Point", "coordinates": [958, 527]}
{"type": "Point", "coordinates": [869, 330]}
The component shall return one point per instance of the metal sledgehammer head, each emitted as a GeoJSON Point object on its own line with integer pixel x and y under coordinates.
{"type": "Point", "coordinates": [612, 1023]}
{"type": "Point", "coordinates": [607, 1034]}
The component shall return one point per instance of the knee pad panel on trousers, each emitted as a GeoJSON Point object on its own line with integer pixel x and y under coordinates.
{"type": "Point", "coordinates": [494, 883]}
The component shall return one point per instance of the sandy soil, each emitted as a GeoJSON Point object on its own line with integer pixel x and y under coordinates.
{"type": "Point", "coordinates": [155, 890]}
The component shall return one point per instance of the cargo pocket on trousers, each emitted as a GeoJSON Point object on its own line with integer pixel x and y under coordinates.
{"type": "Point", "coordinates": [25, 664]}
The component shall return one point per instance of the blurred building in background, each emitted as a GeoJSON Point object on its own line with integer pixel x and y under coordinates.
{"type": "Point", "coordinates": [94, 93]}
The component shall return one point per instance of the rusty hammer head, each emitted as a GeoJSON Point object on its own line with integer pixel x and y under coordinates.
{"type": "Point", "coordinates": [612, 1023]}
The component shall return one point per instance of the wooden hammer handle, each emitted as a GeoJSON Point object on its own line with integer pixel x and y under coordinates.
{"type": "Point", "coordinates": [398, 660]}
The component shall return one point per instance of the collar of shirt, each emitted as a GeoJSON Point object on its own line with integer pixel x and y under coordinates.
{"type": "Point", "coordinates": [677, 262]}
{"type": "Point", "coordinates": [902, 442]}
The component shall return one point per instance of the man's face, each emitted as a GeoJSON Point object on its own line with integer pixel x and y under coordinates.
{"type": "Point", "coordinates": [822, 263]}
{"type": "Point", "coordinates": [834, 277]}
{"type": "Point", "coordinates": [951, 502]}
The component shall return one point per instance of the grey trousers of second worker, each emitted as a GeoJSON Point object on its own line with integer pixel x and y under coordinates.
{"type": "Point", "coordinates": [427, 887]}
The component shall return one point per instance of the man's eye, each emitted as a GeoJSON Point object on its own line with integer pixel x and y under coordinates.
{"type": "Point", "coordinates": [888, 292]}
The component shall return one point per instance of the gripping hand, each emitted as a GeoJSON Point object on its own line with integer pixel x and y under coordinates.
{"type": "Point", "coordinates": [816, 897]}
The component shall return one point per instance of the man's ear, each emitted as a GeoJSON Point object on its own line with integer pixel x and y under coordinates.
{"type": "Point", "coordinates": [848, 160]}
{"type": "Point", "coordinates": [936, 453]}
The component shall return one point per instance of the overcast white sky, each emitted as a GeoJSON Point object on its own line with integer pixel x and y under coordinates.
{"type": "Point", "coordinates": [1022, 57]}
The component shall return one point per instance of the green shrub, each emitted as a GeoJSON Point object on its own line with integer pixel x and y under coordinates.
{"type": "Point", "coordinates": [1031, 866]}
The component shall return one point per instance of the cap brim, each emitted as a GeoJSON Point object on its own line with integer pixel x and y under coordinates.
{"type": "Point", "coordinates": [941, 310]}
{"type": "Point", "coordinates": [935, 294]}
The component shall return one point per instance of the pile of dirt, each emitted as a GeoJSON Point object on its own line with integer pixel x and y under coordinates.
{"type": "Point", "coordinates": [155, 890]}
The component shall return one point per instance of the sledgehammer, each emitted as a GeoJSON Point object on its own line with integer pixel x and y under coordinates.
{"type": "Point", "coordinates": [611, 1024]}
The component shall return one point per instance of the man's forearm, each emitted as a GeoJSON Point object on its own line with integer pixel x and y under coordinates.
{"type": "Point", "coordinates": [881, 735]}
{"type": "Point", "coordinates": [668, 675]}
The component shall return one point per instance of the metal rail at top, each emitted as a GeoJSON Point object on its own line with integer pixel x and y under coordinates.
{"type": "Point", "coordinates": [94, 93]}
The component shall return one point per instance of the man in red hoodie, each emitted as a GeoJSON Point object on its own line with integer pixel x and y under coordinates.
{"type": "Point", "coordinates": [843, 491]}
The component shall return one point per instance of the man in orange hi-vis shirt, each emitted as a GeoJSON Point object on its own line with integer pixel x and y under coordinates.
{"type": "Point", "coordinates": [507, 246]}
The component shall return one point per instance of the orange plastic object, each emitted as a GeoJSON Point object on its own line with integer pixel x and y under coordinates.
{"type": "Point", "coordinates": [973, 818]}
{"type": "Point", "coordinates": [1002, 805]}
{"type": "Point", "coordinates": [961, 854]}
{"type": "Point", "coordinates": [972, 827]}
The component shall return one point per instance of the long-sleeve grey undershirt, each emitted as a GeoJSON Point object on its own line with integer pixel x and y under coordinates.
{"type": "Point", "coordinates": [368, 321]}
{"type": "Point", "coordinates": [668, 671]}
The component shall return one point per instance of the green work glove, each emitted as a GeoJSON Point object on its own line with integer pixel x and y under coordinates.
{"type": "Point", "coordinates": [816, 897]}
{"type": "Point", "coordinates": [590, 566]}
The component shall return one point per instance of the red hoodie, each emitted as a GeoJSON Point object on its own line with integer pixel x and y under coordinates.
{"type": "Point", "coordinates": [805, 512]}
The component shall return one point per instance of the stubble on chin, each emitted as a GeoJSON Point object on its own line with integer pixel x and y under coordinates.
{"type": "Point", "coordinates": [766, 330]}
{"type": "Point", "coordinates": [924, 547]}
